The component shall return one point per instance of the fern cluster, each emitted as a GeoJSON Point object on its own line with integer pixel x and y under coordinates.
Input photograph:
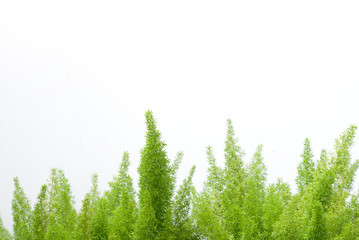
{"type": "Point", "coordinates": [236, 202]}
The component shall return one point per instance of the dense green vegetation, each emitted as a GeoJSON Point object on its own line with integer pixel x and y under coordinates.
{"type": "Point", "coordinates": [236, 201]}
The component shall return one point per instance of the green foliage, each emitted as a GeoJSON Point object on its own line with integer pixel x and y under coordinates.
{"type": "Point", "coordinates": [174, 167]}
{"type": "Point", "coordinates": [40, 217]}
{"type": "Point", "coordinates": [4, 233]}
{"type": "Point", "coordinates": [305, 168]}
{"type": "Point", "coordinates": [289, 224]}
{"type": "Point", "coordinates": [208, 207]}
{"type": "Point", "coordinates": [234, 178]}
{"type": "Point", "coordinates": [156, 179]}
{"type": "Point", "coordinates": [316, 221]}
{"type": "Point", "coordinates": [118, 184]}
{"type": "Point", "coordinates": [146, 228]}
{"type": "Point", "coordinates": [215, 181]}
{"type": "Point", "coordinates": [208, 224]}
{"type": "Point", "coordinates": [99, 229]}
{"type": "Point", "coordinates": [94, 193]}
{"type": "Point", "coordinates": [343, 171]}
{"type": "Point", "coordinates": [252, 210]}
{"type": "Point", "coordinates": [84, 222]}
{"type": "Point", "coordinates": [182, 222]}
{"type": "Point", "coordinates": [86, 215]}
{"type": "Point", "coordinates": [121, 223]}
{"type": "Point", "coordinates": [21, 213]}
{"type": "Point", "coordinates": [62, 214]}
{"type": "Point", "coordinates": [322, 187]}
{"type": "Point", "coordinates": [277, 197]}
{"type": "Point", "coordinates": [235, 202]}
{"type": "Point", "coordinates": [351, 221]}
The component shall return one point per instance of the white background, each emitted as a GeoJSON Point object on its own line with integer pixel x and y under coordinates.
{"type": "Point", "coordinates": [76, 78]}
